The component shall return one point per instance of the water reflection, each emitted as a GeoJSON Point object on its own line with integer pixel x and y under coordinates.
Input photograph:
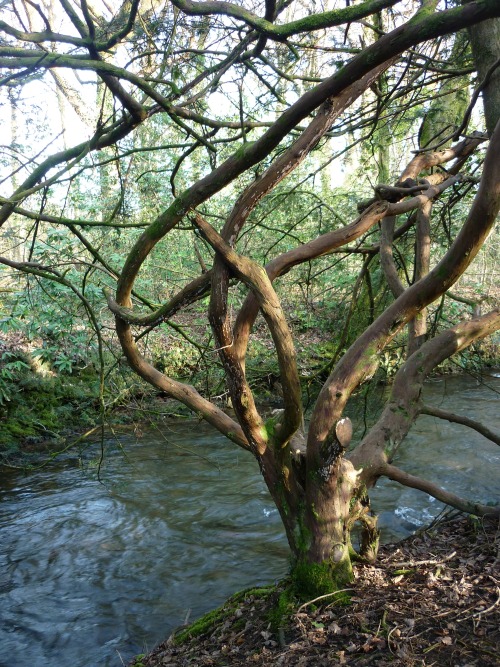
{"type": "Point", "coordinates": [93, 571]}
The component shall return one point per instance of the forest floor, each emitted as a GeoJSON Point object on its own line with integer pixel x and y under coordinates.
{"type": "Point", "coordinates": [430, 600]}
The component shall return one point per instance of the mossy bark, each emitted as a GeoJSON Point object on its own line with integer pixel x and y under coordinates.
{"type": "Point", "coordinates": [322, 549]}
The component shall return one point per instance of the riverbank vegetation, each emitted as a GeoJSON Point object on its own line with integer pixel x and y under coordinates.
{"type": "Point", "coordinates": [274, 200]}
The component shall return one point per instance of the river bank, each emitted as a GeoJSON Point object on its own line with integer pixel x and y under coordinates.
{"type": "Point", "coordinates": [47, 416]}
{"type": "Point", "coordinates": [432, 599]}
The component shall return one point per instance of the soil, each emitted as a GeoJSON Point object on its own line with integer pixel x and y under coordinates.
{"type": "Point", "coordinates": [431, 600]}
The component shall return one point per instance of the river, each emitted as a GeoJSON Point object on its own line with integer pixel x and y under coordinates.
{"type": "Point", "coordinates": [96, 568]}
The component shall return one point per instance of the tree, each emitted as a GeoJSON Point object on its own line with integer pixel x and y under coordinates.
{"type": "Point", "coordinates": [241, 98]}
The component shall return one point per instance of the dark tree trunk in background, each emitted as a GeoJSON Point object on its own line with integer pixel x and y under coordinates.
{"type": "Point", "coordinates": [485, 39]}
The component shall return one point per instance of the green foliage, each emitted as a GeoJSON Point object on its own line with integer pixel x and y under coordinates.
{"type": "Point", "coordinates": [52, 321]}
{"type": "Point", "coordinates": [45, 407]}
{"type": "Point", "coordinates": [10, 368]}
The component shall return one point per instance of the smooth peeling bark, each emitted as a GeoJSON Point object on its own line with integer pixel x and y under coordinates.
{"type": "Point", "coordinates": [418, 326]}
{"type": "Point", "coordinates": [387, 257]}
{"type": "Point", "coordinates": [234, 355]}
{"type": "Point", "coordinates": [233, 362]}
{"type": "Point", "coordinates": [279, 266]}
{"type": "Point", "coordinates": [425, 161]}
{"type": "Point", "coordinates": [318, 247]}
{"type": "Point", "coordinates": [361, 360]}
{"type": "Point", "coordinates": [386, 48]}
{"type": "Point", "coordinates": [255, 277]}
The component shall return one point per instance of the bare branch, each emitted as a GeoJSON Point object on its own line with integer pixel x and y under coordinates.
{"type": "Point", "coordinates": [361, 360]}
{"type": "Point", "coordinates": [435, 491]}
{"type": "Point", "coordinates": [460, 419]}
{"type": "Point", "coordinates": [256, 278]}
{"type": "Point", "coordinates": [404, 405]}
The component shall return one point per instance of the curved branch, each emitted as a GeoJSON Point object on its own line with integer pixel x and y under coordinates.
{"type": "Point", "coordinates": [255, 277]}
{"type": "Point", "coordinates": [418, 30]}
{"type": "Point", "coordinates": [429, 159]}
{"type": "Point", "coordinates": [17, 58]}
{"type": "Point", "coordinates": [123, 32]}
{"type": "Point", "coordinates": [468, 506]}
{"type": "Point", "coordinates": [109, 138]}
{"type": "Point", "coordinates": [361, 360]}
{"type": "Point", "coordinates": [329, 19]}
{"type": "Point", "coordinates": [197, 289]}
{"type": "Point", "coordinates": [404, 405]}
{"type": "Point", "coordinates": [61, 220]}
{"type": "Point", "coordinates": [183, 393]}
{"type": "Point", "coordinates": [387, 257]}
{"type": "Point", "coordinates": [45, 36]}
{"type": "Point", "coordinates": [459, 419]}
{"type": "Point", "coordinates": [325, 244]}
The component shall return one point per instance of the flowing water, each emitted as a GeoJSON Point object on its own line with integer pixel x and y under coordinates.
{"type": "Point", "coordinates": [95, 568]}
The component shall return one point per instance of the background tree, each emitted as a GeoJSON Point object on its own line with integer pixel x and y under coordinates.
{"type": "Point", "coordinates": [210, 120]}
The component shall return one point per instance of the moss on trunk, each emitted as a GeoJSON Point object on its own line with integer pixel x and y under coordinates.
{"type": "Point", "coordinates": [311, 580]}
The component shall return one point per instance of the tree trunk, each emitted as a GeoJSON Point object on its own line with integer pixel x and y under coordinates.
{"type": "Point", "coordinates": [485, 40]}
{"type": "Point", "coordinates": [319, 514]}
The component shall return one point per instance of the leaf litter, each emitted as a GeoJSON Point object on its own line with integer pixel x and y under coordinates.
{"type": "Point", "coordinates": [431, 600]}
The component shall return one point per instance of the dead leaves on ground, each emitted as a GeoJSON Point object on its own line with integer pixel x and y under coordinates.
{"type": "Point", "coordinates": [433, 599]}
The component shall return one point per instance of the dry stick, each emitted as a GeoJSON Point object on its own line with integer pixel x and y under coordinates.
{"type": "Point", "coordinates": [322, 597]}
{"type": "Point", "coordinates": [411, 563]}
{"type": "Point", "coordinates": [459, 419]}
{"type": "Point", "coordinates": [483, 611]}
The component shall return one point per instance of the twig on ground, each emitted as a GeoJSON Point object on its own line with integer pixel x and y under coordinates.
{"type": "Point", "coordinates": [322, 597]}
{"type": "Point", "coordinates": [410, 563]}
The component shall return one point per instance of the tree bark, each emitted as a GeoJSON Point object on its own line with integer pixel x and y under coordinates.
{"type": "Point", "coordinates": [485, 40]}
